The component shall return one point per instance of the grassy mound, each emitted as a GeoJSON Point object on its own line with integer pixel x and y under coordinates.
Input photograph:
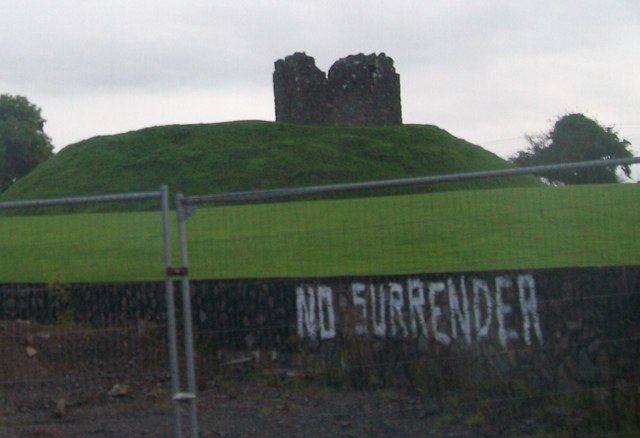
{"type": "Point", "coordinates": [250, 155]}
{"type": "Point", "coordinates": [514, 223]}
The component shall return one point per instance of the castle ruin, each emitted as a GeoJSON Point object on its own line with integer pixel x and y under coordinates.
{"type": "Point", "coordinates": [359, 90]}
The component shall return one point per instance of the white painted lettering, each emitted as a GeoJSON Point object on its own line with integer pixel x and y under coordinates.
{"type": "Point", "coordinates": [306, 309]}
{"type": "Point", "coordinates": [378, 313]}
{"type": "Point", "coordinates": [396, 303]}
{"type": "Point", "coordinates": [326, 314]}
{"type": "Point", "coordinates": [482, 327]}
{"type": "Point", "coordinates": [529, 307]}
{"type": "Point", "coordinates": [459, 316]}
{"type": "Point", "coordinates": [415, 290]}
{"type": "Point", "coordinates": [436, 312]}
{"type": "Point", "coordinates": [417, 309]}
{"type": "Point", "coordinates": [357, 292]}
{"type": "Point", "coordinates": [503, 310]}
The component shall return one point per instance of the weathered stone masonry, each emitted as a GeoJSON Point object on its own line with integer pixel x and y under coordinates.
{"type": "Point", "coordinates": [557, 329]}
{"type": "Point", "coordinates": [359, 90]}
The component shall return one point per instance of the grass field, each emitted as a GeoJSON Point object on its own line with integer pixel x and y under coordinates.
{"type": "Point", "coordinates": [493, 229]}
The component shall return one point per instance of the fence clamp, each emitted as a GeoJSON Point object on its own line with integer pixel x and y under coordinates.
{"type": "Point", "coordinates": [183, 396]}
{"type": "Point", "coordinates": [181, 271]}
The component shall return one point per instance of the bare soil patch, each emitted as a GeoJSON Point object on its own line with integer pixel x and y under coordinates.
{"type": "Point", "coordinates": [74, 382]}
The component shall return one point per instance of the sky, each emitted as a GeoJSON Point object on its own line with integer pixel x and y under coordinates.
{"type": "Point", "coordinates": [487, 71]}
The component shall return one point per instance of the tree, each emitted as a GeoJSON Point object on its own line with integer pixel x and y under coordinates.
{"type": "Point", "coordinates": [576, 138]}
{"type": "Point", "coordinates": [23, 143]}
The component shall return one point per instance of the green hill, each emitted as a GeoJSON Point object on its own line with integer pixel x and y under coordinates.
{"type": "Point", "coordinates": [250, 155]}
{"type": "Point", "coordinates": [520, 224]}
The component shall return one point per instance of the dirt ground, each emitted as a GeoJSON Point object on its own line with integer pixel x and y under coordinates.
{"type": "Point", "coordinates": [77, 383]}
{"type": "Point", "coordinates": [246, 407]}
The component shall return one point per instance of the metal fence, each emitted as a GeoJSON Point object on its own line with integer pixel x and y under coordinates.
{"type": "Point", "coordinates": [72, 334]}
{"type": "Point", "coordinates": [311, 314]}
{"type": "Point", "coordinates": [498, 348]}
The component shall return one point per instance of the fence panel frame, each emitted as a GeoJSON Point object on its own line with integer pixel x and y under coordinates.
{"type": "Point", "coordinates": [161, 196]}
{"type": "Point", "coordinates": [186, 207]}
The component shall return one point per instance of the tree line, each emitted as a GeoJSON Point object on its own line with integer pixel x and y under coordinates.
{"type": "Point", "coordinates": [575, 137]}
{"type": "Point", "coordinates": [23, 142]}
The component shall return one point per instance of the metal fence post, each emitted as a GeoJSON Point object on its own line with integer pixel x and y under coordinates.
{"type": "Point", "coordinates": [158, 195]}
{"type": "Point", "coordinates": [171, 315]}
{"type": "Point", "coordinates": [187, 317]}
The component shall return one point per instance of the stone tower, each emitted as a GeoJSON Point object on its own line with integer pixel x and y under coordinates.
{"type": "Point", "coordinates": [300, 91]}
{"type": "Point", "coordinates": [365, 90]}
{"type": "Point", "coordinates": [360, 90]}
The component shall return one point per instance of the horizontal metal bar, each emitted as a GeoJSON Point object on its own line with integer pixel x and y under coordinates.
{"type": "Point", "coordinates": [285, 193]}
{"type": "Point", "coordinates": [124, 197]}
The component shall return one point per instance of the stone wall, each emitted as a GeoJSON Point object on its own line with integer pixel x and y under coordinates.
{"type": "Point", "coordinates": [300, 90]}
{"type": "Point", "coordinates": [560, 329]}
{"type": "Point", "coordinates": [359, 90]}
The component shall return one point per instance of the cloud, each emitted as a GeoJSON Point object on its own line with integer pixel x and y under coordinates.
{"type": "Point", "coordinates": [84, 45]}
{"type": "Point", "coordinates": [485, 71]}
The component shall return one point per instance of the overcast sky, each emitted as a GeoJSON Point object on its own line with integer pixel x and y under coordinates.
{"type": "Point", "coordinates": [488, 71]}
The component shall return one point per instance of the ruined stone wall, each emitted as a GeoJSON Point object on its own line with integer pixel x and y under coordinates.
{"type": "Point", "coordinates": [300, 90]}
{"type": "Point", "coordinates": [365, 90]}
{"type": "Point", "coordinates": [526, 335]}
{"type": "Point", "coordinates": [359, 90]}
